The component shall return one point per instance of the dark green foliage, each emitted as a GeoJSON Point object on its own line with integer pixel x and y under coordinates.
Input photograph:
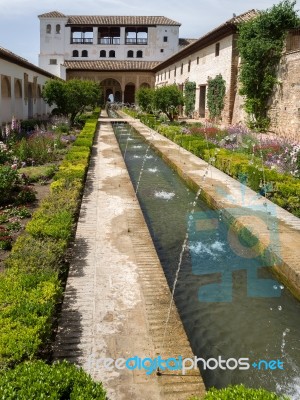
{"type": "Point", "coordinates": [189, 98]}
{"type": "Point", "coordinates": [240, 392]}
{"type": "Point", "coordinates": [8, 178]}
{"type": "Point", "coordinates": [260, 45]}
{"type": "Point", "coordinates": [215, 96]}
{"type": "Point", "coordinates": [167, 99]}
{"type": "Point", "coordinates": [37, 380]}
{"type": "Point", "coordinates": [145, 99]}
{"type": "Point", "coordinates": [71, 97]}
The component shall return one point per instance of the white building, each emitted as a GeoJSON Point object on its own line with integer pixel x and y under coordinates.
{"type": "Point", "coordinates": [111, 38]}
{"type": "Point", "coordinates": [21, 86]}
{"type": "Point", "coordinates": [213, 54]}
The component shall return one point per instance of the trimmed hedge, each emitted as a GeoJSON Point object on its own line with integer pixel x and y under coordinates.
{"type": "Point", "coordinates": [282, 189]}
{"type": "Point", "coordinates": [37, 380]}
{"type": "Point", "coordinates": [30, 287]}
{"type": "Point", "coordinates": [235, 392]}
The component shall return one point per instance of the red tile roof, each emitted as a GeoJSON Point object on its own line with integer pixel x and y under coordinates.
{"type": "Point", "coordinates": [111, 19]}
{"type": "Point", "coordinates": [111, 65]}
{"type": "Point", "coordinates": [12, 57]}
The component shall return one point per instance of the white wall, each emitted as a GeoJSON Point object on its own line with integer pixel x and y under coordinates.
{"type": "Point", "coordinates": [58, 47]}
{"type": "Point", "coordinates": [203, 64]}
{"type": "Point", "coordinates": [19, 107]}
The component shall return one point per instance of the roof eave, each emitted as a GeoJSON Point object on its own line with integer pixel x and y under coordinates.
{"type": "Point", "coordinates": [25, 64]}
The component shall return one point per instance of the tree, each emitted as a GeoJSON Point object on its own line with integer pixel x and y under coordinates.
{"type": "Point", "coordinates": [71, 97]}
{"type": "Point", "coordinates": [189, 98]}
{"type": "Point", "coordinates": [260, 44]}
{"type": "Point", "coordinates": [167, 99]}
{"type": "Point", "coordinates": [145, 99]}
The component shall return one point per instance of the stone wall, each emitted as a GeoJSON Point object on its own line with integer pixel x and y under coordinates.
{"type": "Point", "coordinates": [285, 103]}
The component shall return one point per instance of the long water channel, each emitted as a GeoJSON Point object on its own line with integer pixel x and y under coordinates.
{"type": "Point", "coordinates": [228, 323]}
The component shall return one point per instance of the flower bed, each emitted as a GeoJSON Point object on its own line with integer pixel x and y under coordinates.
{"type": "Point", "coordinates": [30, 287]}
{"type": "Point", "coordinates": [246, 159]}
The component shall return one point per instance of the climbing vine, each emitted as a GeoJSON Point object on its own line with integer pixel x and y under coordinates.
{"type": "Point", "coordinates": [215, 96]}
{"type": "Point", "coordinates": [260, 44]}
{"type": "Point", "coordinates": [189, 97]}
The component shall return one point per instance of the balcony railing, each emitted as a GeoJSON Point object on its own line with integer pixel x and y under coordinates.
{"type": "Point", "coordinates": [81, 40]}
{"type": "Point", "coordinates": [136, 41]}
{"type": "Point", "coordinates": [109, 40]}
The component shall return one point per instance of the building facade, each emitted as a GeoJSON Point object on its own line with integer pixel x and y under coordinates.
{"type": "Point", "coordinates": [21, 86]}
{"type": "Point", "coordinates": [65, 38]}
{"type": "Point", "coordinates": [213, 54]}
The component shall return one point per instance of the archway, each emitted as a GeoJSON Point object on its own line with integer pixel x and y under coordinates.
{"type": "Point", "coordinates": [18, 111]}
{"type": "Point", "coordinates": [5, 99]}
{"type": "Point", "coordinates": [118, 97]}
{"type": "Point", "coordinates": [129, 95]}
{"type": "Point", "coordinates": [145, 85]}
{"type": "Point", "coordinates": [110, 86]}
{"type": "Point", "coordinates": [30, 101]}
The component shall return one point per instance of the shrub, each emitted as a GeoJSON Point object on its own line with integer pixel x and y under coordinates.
{"type": "Point", "coordinates": [5, 239]}
{"type": "Point", "coordinates": [235, 392]}
{"type": "Point", "coordinates": [56, 225]}
{"type": "Point", "coordinates": [30, 287]}
{"type": "Point", "coordinates": [27, 303]}
{"type": "Point", "coordinates": [8, 178]}
{"type": "Point", "coordinates": [30, 254]}
{"type": "Point", "coordinates": [25, 195]}
{"type": "Point", "coordinates": [37, 380]}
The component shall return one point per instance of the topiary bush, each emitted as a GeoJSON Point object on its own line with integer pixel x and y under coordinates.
{"type": "Point", "coordinates": [37, 380]}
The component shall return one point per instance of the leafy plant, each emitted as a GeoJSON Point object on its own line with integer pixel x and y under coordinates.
{"type": "Point", "coordinates": [5, 239]}
{"type": "Point", "coordinates": [145, 99]}
{"type": "Point", "coordinates": [71, 97]}
{"type": "Point", "coordinates": [260, 45]}
{"type": "Point", "coordinates": [189, 98]}
{"type": "Point", "coordinates": [234, 392]}
{"type": "Point", "coordinates": [8, 179]}
{"type": "Point", "coordinates": [38, 380]}
{"type": "Point", "coordinates": [216, 88]}
{"type": "Point", "coordinates": [25, 195]}
{"type": "Point", "coordinates": [167, 99]}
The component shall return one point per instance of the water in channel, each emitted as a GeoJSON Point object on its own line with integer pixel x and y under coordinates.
{"type": "Point", "coordinates": [228, 323]}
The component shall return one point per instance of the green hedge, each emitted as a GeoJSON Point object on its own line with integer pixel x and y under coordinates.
{"type": "Point", "coordinates": [236, 392]}
{"type": "Point", "coordinates": [282, 189]}
{"type": "Point", "coordinates": [30, 286]}
{"type": "Point", "coordinates": [37, 380]}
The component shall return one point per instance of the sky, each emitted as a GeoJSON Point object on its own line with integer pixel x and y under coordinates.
{"type": "Point", "coordinates": [19, 23]}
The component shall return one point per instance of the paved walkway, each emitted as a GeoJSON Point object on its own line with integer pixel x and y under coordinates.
{"type": "Point", "coordinates": [117, 297]}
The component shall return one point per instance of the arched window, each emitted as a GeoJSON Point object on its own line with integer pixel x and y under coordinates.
{"type": "Point", "coordinates": [103, 53]}
{"type": "Point", "coordinates": [112, 53]}
{"type": "Point", "coordinates": [84, 53]}
{"type": "Point", "coordinates": [130, 54]}
{"type": "Point", "coordinates": [18, 89]}
{"type": "Point", "coordinates": [75, 53]}
{"type": "Point", "coordinates": [139, 54]}
{"type": "Point", "coordinates": [57, 28]}
{"type": "Point", "coordinates": [48, 28]}
{"type": "Point", "coordinates": [5, 87]}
